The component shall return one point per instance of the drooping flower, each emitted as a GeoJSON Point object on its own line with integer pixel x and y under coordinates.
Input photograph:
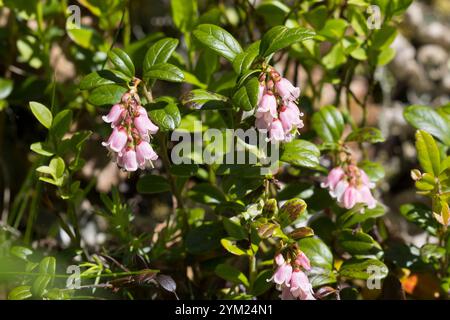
{"type": "Point", "coordinates": [300, 287]}
{"type": "Point", "coordinates": [117, 140]}
{"type": "Point", "coordinates": [114, 115]}
{"type": "Point", "coordinates": [143, 124]}
{"type": "Point", "coordinates": [350, 185]}
{"type": "Point", "coordinates": [276, 112]}
{"type": "Point", "coordinates": [303, 261]}
{"type": "Point", "coordinates": [283, 274]}
{"type": "Point", "coordinates": [268, 104]}
{"type": "Point", "coordinates": [129, 160]}
{"type": "Point", "coordinates": [286, 90]}
{"type": "Point", "coordinates": [130, 139]}
{"type": "Point", "coordinates": [144, 152]}
{"type": "Point", "coordinates": [276, 131]}
{"type": "Point", "coordinates": [289, 277]}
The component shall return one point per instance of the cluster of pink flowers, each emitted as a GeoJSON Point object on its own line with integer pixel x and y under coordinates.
{"type": "Point", "coordinates": [277, 111]}
{"type": "Point", "coordinates": [350, 185]}
{"type": "Point", "coordinates": [130, 138]}
{"type": "Point", "coordinates": [291, 280]}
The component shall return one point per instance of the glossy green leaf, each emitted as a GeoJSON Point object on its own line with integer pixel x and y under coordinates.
{"type": "Point", "coordinates": [244, 60]}
{"type": "Point", "coordinates": [229, 273]}
{"type": "Point", "coordinates": [107, 95]}
{"type": "Point", "coordinates": [159, 52]}
{"type": "Point", "coordinates": [164, 71]}
{"type": "Point", "coordinates": [357, 242]}
{"type": "Point", "coordinates": [165, 114]}
{"type": "Point", "coordinates": [280, 37]}
{"type": "Point", "coordinates": [328, 124]}
{"type": "Point", "coordinates": [99, 78]}
{"type": "Point", "coordinates": [218, 40]}
{"type": "Point", "coordinates": [428, 153]}
{"type": "Point", "coordinates": [122, 62]}
{"type": "Point", "coordinates": [204, 100]}
{"type": "Point", "coordinates": [246, 97]}
{"type": "Point", "coordinates": [367, 134]}
{"type": "Point", "coordinates": [359, 214]}
{"type": "Point", "coordinates": [363, 269]}
{"type": "Point", "coordinates": [300, 153]}
{"type": "Point", "coordinates": [426, 118]}
{"type": "Point", "coordinates": [152, 184]}
{"type": "Point", "coordinates": [42, 114]}
{"type": "Point", "coordinates": [321, 260]}
{"type": "Point", "coordinates": [420, 215]}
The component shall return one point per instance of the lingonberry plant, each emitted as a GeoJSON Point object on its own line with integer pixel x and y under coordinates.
{"type": "Point", "coordinates": [227, 155]}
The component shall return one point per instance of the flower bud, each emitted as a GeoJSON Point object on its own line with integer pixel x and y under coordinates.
{"type": "Point", "coordinates": [270, 208]}
{"type": "Point", "coordinates": [291, 211]}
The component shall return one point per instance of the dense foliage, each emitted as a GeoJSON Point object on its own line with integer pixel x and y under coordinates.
{"type": "Point", "coordinates": [150, 214]}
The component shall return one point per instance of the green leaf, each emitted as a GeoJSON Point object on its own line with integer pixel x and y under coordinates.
{"type": "Point", "coordinates": [229, 273]}
{"type": "Point", "coordinates": [359, 214]}
{"type": "Point", "coordinates": [321, 260]}
{"type": "Point", "coordinates": [152, 184]}
{"type": "Point", "coordinates": [204, 238]}
{"type": "Point", "coordinates": [99, 78]}
{"type": "Point", "coordinates": [357, 242]}
{"type": "Point", "coordinates": [363, 269]}
{"type": "Point", "coordinates": [20, 293]}
{"type": "Point", "coordinates": [164, 71]}
{"type": "Point", "coordinates": [367, 134]}
{"type": "Point", "coordinates": [234, 229]}
{"type": "Point", "coordinates": [274, 12]}
{"type": "Point", "coordinates": [165, 114]}
{"type": "Point", "coordinates": [40, 285]}
{"type": "Point", "coordinates": [122, 62]}
{"type": "Point", "coordinates": [42, 113]}
{"type": "Point", "coordinates": [41, 148]}
{"type": "Point", "coordinates": [300, 153]}
{"type": "Point", "coordinates": [383, 37]}
{"type": "Point", "coordinates": [85, 37]}
{"type": "Point", "coordinates": [61, 124]}
{"type": "Point", "coordinates": [431, 252]}
{"type": "Point", "coordinates": [184, 170]}
{"type": "Point", "coordinates": [106, 95]}
{"type": "Point", "coordinates": [334, 29]}
{"type": "Point", "coordinates": [48, 266]}
{"type": "Point", "coordinates": [230, 245]}
{"type": "Point", "coordinates": [159, 52]}
{"type": "Point", "coordinates": [244, 60]}
{"type": "Point", "coordinates": [420, 215]}
{"type": "Point", "coordinates": [317, 16]}
{"type": "Point", "coordinates": [246, 97]}
{"type": "Point", "coordinates": [280, 37]}
{"type": "Point", "coordinates": [328, 124]}
{"type": "Point", "coordinates": [335, 57]}
{"type": "Point", "coordinates": [21, 252]}
{"type": "Point", "coordinates": [57, 166]}
{"type": "Point", "coordinates": [204, 100]}
{"type": "Point", "coordinates": [218, 40]}
{"type": "Point", "coordinates": [6, 87]}
{"type": "Point", "coordinates": [428, 153]}
{"type": "Point", "coordinates": [206, 193]}
{"type": "Point", "coordinates": [426, 118]}
{"type": "Point", "coordinates": [374, 170]}
{"type": "Point", "coordinates": [261, 284]}
{"type": "Point", "coordinates": [184, 14]}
